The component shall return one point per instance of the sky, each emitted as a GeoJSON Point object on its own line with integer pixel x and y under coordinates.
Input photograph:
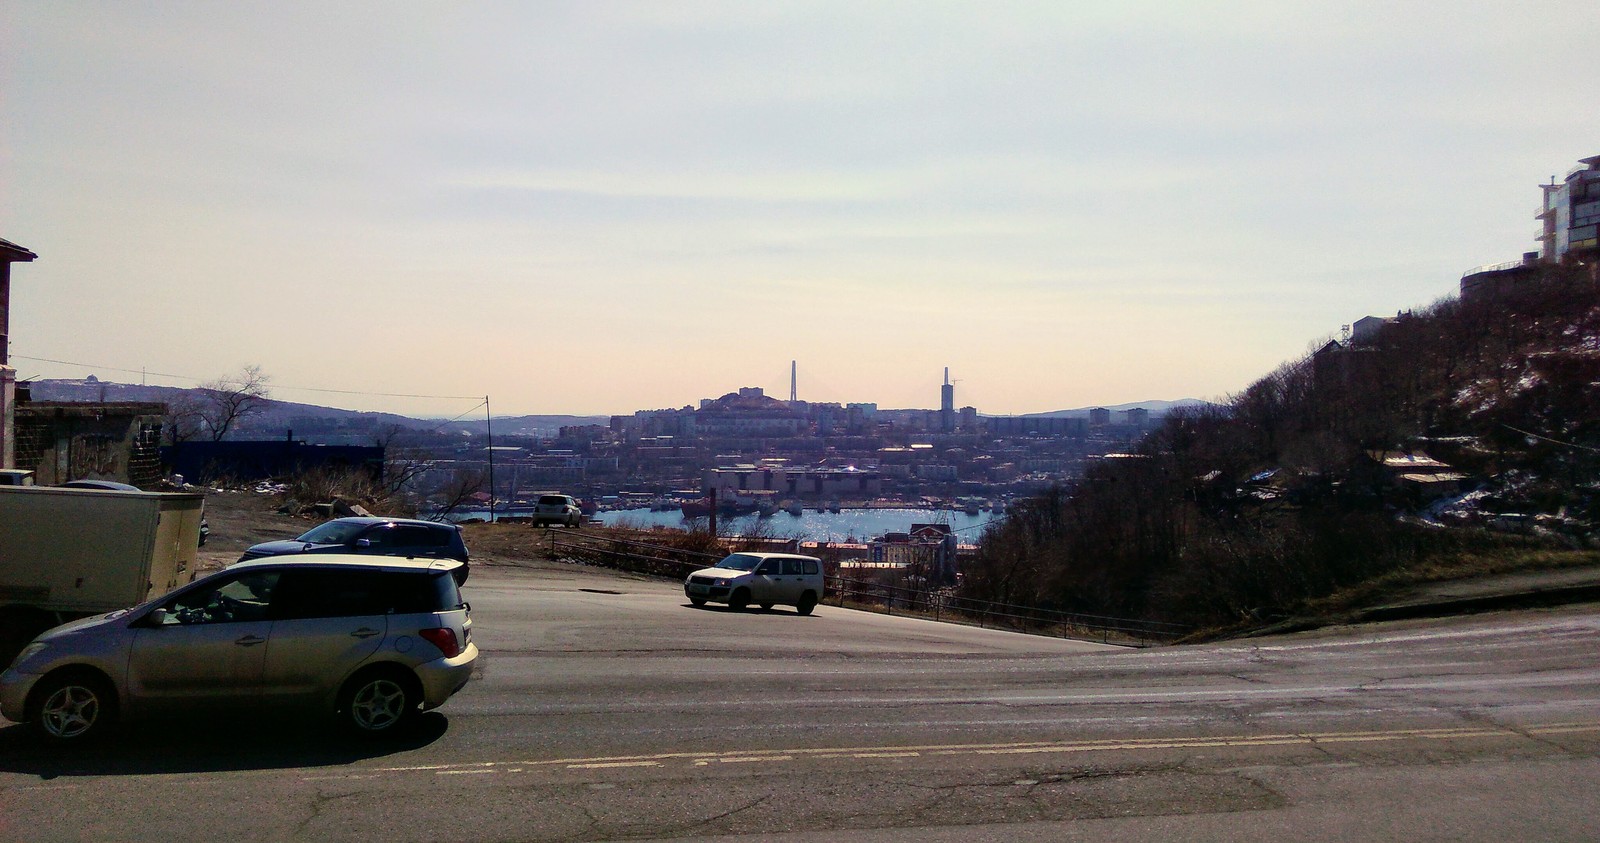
{"type": "Point", "coordinates": [598, 207]}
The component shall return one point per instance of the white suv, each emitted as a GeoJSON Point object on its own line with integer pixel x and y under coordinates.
{"type": "Point", "coordinates": [765, 579]}
{"type": "Point", "coordinates": [557, 509]}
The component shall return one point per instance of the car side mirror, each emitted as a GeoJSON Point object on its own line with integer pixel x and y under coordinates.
{"type": "Point", "coordinates": [363, 543]}
{"type": "Point", "coordinates": [156, 618]}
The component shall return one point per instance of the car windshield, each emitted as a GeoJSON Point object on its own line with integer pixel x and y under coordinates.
{"type": "Point", "coordinates": [740, 562]}
{"type": "Point", "coordinates": [333, 532]}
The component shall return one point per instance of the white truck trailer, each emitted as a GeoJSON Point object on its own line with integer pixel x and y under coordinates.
{"type": "Point", "coordinates": [71, 553]}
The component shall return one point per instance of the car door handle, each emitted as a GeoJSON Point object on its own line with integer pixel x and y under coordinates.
{"type": "Point", "coordinates": [365, 632]}
{"type": "Point", "coordinates": [250, 641]}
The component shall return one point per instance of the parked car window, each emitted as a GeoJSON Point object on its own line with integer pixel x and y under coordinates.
{"type": "Point", "coordinates": [421, 537]}
{"type": "Point", "coordinates": [439, 594]}
{"type": "Point", "coordinates": [329, 594]}
{"type": "Point", "coordinates": [769, 567]}
{"type": "Point", "coordinates": [384, 535]}
{"type": "Point", "coordinates": [247, 597]}
{"type": "Point", "coordinates": [792, 567]}
{"type": "Point", "coordinates": [808, 566]}
{"type": "Point", "coordinates": [333, 532]}
{"type": "Point", "coordinates": [739, 562]}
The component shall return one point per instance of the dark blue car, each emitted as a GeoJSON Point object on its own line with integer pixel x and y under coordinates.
{"type": "Point", "coordinates": [376, 535]}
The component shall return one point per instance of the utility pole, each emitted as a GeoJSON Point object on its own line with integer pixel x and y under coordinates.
{"type": "Point", "coordinates": [488, 424]}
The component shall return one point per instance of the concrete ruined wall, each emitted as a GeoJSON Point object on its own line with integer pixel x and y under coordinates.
{"type": "Point", "coordinates": [61, 441]}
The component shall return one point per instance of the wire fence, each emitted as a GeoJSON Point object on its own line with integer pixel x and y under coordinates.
{"type": "Point", "coordinates": [939, 603]}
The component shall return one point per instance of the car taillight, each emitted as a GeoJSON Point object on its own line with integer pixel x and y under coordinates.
{"type": "Point", "coordinates": [444, 639]}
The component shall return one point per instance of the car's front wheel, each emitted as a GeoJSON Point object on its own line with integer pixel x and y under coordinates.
{"type": "Point", "coordinates": [698, 601]}
{"type": "Point", "coordinates": [378, 703]}
{"type": "Point", "coordinates": [74, 707]}
{"type": "Point", "coordinates": [739, 599]}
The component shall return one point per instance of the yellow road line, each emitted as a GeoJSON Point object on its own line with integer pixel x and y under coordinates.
{"type": "Point", "coordinates": [701, 759]}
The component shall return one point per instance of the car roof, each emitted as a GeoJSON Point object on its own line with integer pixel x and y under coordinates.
{"type": "Point", "coordinates": [765, 555]}
{"type": "Point", "coordinates": [382, 519]}
{"type": "Point", "coordinates": [345, 560]}
{"type": "Point", "coordinates": [107, 485]}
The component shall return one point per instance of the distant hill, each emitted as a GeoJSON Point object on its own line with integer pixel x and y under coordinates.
{"type": "Point", "coordinates": [1464, 436]}
{"type": "Point", "coordinates": [1156, 408]}
{"type": "Point", "coordinates": [282, 416]}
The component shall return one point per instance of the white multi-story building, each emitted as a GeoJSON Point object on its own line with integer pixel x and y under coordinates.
{"type": "Point", "coordinates": [1571, 213]}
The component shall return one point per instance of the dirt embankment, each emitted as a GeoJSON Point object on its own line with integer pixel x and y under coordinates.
{"type": "Point", "coordinates": [241, 519]}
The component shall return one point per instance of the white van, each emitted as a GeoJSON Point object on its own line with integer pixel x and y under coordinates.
{"type": "Point", "coordinates": [765, 579]}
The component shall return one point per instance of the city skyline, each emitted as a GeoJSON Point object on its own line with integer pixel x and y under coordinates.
{"type": "Point", "coordinates": [592, 209]}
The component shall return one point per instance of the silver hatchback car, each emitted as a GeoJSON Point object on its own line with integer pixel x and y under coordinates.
{"type": "Point", "coordinates": [370, 639]}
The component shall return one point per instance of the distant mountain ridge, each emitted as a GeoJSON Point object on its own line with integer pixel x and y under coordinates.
{"type": "Point", "coordinates": [1156, 408]}
{"type": "Point", "coordinates": [282, 415]}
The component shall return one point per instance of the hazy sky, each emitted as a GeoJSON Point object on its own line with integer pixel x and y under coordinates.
{"type": "Point", "coordinates": [601, 207]}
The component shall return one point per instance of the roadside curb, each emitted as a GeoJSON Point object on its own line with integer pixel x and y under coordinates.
{"type": "Point", "coordinates": [1525, 599]}
{"type": "Point", "coordinates": [1491, 602]}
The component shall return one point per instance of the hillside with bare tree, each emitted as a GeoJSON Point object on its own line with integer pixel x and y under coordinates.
{"type": "Point", "coordinates": [1465, 432]}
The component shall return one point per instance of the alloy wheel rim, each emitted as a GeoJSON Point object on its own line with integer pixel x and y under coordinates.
{"type": "Point", "coordinates": [378, 705]}
{"type": "Point", "coordinates": [70, 711]}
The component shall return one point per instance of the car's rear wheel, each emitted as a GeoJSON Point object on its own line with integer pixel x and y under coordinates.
{"type": "Point", "coordinates": [808, 601]}
{"type": "Point", "coordinates": [378, 703]}
{"type": "Point", "coordinates": [74, 707]}
{"type": "Point", "coordinates": [739, 600]}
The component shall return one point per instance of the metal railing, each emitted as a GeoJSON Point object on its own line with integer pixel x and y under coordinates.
{"type": "Point", "coordinates": [1493, 267]}
{"type": "Point", "coordinates": [934, 603]}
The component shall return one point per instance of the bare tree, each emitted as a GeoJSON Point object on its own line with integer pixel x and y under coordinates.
{"type": "Point", "coordinates": [458, 492]}
{"type": "Point", "coordinates": [183, 421]}
{"type": "Point", "coordinates": [403, 461]}
{"type": "Point", "coordinates": [224, 402]}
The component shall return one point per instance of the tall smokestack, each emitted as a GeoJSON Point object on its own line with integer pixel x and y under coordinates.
{"type": "Point", "coordinates": [794, 394]}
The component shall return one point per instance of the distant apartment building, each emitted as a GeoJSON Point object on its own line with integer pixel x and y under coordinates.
{"type": "Point", "coordinates": [938, 472]}
{"type": "Point", "coordinates": [1366, 328]}
{"type": "Point", "coordinates": [947, 404]}
{"type": "Point", "coordinates": [798, 483]}
{"type": "Point", "coordinates": [1569, 232]}
{"type": "Point", "coordinates": [1137, 417]}
{"type": "Point", "coordinates": [1099, 417]}
{"type": "Point", "coordinates": [1037, 426]}
{"type": "Point", "coordinates": [1570, 214]}
{"type": "Point", "coordinates": [929, 548]}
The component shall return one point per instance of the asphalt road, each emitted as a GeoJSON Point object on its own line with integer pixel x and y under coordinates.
{"type": "Point", "coordinates": [608, 708]}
